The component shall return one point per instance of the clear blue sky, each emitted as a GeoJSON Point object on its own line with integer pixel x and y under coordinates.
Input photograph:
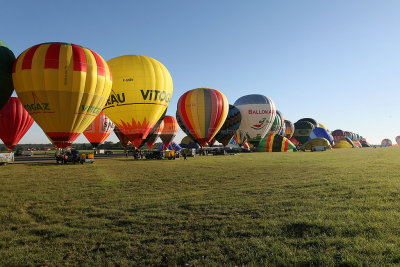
{"type": "Point", "coordinates": [335, 61]}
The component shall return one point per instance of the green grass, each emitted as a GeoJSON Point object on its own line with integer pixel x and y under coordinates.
{"type": "Point", "coordinates": [340, 207]}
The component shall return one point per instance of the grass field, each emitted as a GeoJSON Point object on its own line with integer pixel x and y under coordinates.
{"type": "Point", "coordinates": [340, 207]}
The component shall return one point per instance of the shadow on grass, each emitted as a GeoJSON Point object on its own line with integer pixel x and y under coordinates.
{"type": "Point", "coordinates": [303, 229]}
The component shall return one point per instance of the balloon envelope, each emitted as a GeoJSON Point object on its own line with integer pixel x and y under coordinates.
{"type": "Point", "coordinates": [141, 92]}
{"type": "Point", "coordinates": [258, 113]}
{"type": "Point", "coordinates": [386, 143]}
{"type": "Point", "coordinates": [203, 111]}
{"type": "Point", "coordinates": [151, 139]}
{"type": "Point", "coordinates": [278, 124]}
{"type": "Point", "coordinates": [338, 135]}
{"type": "Point", "coordinates": [289, 129]}
{"type": "Point", "coordinates": [99, 130]}
{"type": "Point", "coordinates": [7, 59]}
{"type": "Point", "coordinates": [123, 139]}
{"type": "Point", "coordinates": [273, 142]}
{"type": "Point", "coordinates": [170, 130]}
{"type": "Point", "coordinates": [188, 142]}
{"type": "Point", "coordinates": [302, 131]}
{"type": "Point", "coordinates": [63, 87]}
{"type": "Point", "coordinates": [231, 124]}
{"type": "Point", "coordinates": [15, 121]}
{"type": "Point", "coordinates": [398, 140]}
{"type": "Point", "coordinates": [311, 120]}
{"type": "Point", "coordinates": [321, 132]}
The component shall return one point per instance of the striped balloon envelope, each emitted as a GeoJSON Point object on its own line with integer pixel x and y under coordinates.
{"type": "Point", "coordinates": [240, 137]}
{"type": "Point", "coordinates": [183, 127]}
{"type": "Point", "coordinates": [15, 121]}
{"type": "Point", "coordinates": [275, 143]}
{"type": "Point", "coordinates": [386, 142]}
{"type": "Point", "coordinates": [289, 129]}
{"type": "Point", "coordinates": [123, 139]}
{"type": "Point", "coordinates": [171, 128]}
{"type": "Point", "coordinates": [278, 123]}
{"type": "Point", "coordinates": [338, 135]}
{"type": "Point", "coordinates": [203, 111]}
{"type": "Point", "coordinates": [231, 124]}
{"type": "Point", "coordinates": [99, 130]}
{"type": "Point", "coordinates": [172, 146]}
{"type": "Point", "coordinates": [7, 59]}
{"type": "Point", "coordinates": [63, 87]}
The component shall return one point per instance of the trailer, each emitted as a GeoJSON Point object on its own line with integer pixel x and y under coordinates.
{"type": "Point", "coordinates": [6, 158]}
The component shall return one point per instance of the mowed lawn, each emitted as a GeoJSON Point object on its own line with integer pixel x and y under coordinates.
{"type": "Point", "coordinates": [340, 207]}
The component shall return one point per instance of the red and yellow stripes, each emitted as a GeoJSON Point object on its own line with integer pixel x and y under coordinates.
{"type": "Point", "coordinates": [203, 112]}
{"type": "Point", "coordinates": [63, 86]}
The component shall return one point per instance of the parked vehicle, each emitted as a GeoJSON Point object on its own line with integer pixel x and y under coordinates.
{"type": "Point", "coordinates": [6, 158]}
{"type": "Point", "coordinates": [74, 157]}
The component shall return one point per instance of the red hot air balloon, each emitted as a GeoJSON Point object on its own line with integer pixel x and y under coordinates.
{"type": "Point", "coordinates": [171, 128]}
{"type": "Point", "coordinates": [15, 121]}
{"type": "Point", "coordinates": [99, 130]}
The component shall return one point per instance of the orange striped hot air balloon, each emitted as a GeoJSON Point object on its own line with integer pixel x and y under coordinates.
{"type": "Point", "coordinates": [63, 87]}
{"type": "Point", "coordinates": [170, 130]}
{"type": "Point", "coordinates": [203, 111]}
{"type": "Point", "coordinates": [99, 130]}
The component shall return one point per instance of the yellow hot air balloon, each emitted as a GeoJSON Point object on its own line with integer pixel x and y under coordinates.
{"type": "Point", "coordinates": [142, 90]}
{"type": "Point", "coordinates": [63, 87]}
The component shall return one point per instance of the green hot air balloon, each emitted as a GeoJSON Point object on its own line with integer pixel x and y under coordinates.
{"type": "Point", "coordinates": [7, 59]}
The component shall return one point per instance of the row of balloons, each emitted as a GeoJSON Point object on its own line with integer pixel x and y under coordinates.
{"type": "Point", "coordinates": [68, 89]}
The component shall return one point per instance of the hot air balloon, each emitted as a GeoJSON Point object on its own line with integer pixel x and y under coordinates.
{"type": "Point", "coordinates": [310, 120]}
{"type": "Point", "coordinates": [273, 142]}
{"type": "Point", "coordinates": [183, 126]}
{"type": "Point", "coordinates": [322, 133]}
{"type": "Point", "coordinates": [63, 87]}
{"type": "Point", "coordinates": [231, 124]}
{"type": "Point", "coordinates": [289, 129]}
{"type": "Point", "coordinates": [302, 131]}
{"type": "Point", "coordinates": [258, 113]}
{"type": "Point", "coordinates": [398, 140]}
{"type": "Point", "coordinates": [151, 139]}
{"type": "Point", "coordinates": [123, 139]}
{"type": "Point", "coordinates": [170, 130]}
{"type": "Point", "coordinates": [278, 123]}
{"type": "Point", "coordinates": [344, 143]}
{"type": "Point", "coordinates": [316, 144]}
{"type": "Point", "coordinates": [338, 135]}
{"type": "Point", "coordinates": [203, 111]}
{"type": "Point", "coordinates": [172, 146]}
{"type": "Point", "coordinates": [240, 137]}
{"type": "Point", "coordinates": [386, 143]}
{"type": "Point", "coordinates": [141, 92]}
{"type": "Point", "coordinates": [15, 121]}
{"type": "Point", "coordinates": [188, 142]}
{"type": "Point", "coordinates": [99, 130]}
{"type": "Point", "coordinates": [7, 59]}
